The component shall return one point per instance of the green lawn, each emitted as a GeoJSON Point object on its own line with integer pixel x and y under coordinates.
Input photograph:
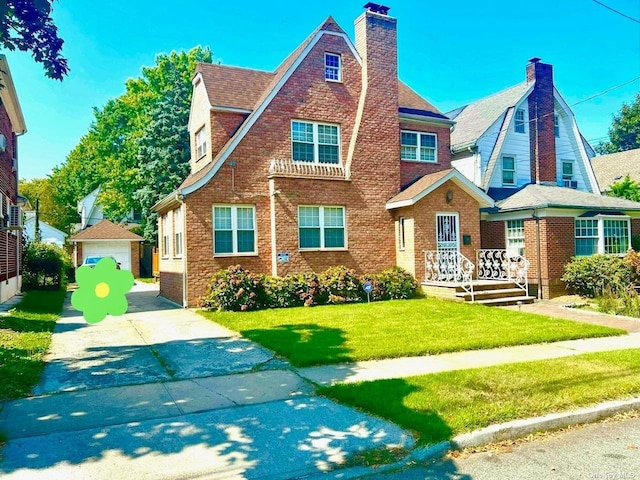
{"type": "Point", "coordinates": [345, 333]}
{"type": "Point", "coordinates": [437, 407]}
{"type": "Point", "coordinates": [146, 279]}
{"type": "Point", "coordinates": [25, 336]}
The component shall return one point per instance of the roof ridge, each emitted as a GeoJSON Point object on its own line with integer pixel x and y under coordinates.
{"type": "Point", "coordinates": [235, 67]}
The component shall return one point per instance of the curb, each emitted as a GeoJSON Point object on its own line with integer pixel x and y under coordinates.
{"type": "Point", "coordinates": [494, 433]}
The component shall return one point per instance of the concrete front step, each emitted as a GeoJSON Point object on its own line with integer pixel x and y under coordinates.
{"type": "Point", "coordinates": [482, 285]}
{"type": "Point", "coordinates": [500, 302]}
{"type": "Point", "coordinates": [489, 294]}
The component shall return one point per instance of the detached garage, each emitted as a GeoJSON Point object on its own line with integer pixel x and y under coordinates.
{"type": "Point", "coordinates": [106, 239]}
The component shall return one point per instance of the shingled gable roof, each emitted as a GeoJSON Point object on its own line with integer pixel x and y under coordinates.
{"type": "Point", "coordinates": [473, 120]}
{"type": "Point", "coordinates": [231, 92]}
{"type": "Point", "coordinates": [428, 183]}
{"type": "Point", "coordinates": [106, 230]}
{"type": "Point", "coordinates": [615, 166]}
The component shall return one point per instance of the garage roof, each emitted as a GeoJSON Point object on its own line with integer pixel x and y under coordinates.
{"type": "Point", "coordinates": [106, 230]}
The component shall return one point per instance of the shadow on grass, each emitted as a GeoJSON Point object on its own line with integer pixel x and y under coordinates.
{"type": "Point", "coordinates": [322, 345]}
{"type": "Point", "coordinates": [19, 371]}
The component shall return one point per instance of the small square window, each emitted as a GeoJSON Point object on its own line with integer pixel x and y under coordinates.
{"type": "Point", "coordinates": [332, 67]}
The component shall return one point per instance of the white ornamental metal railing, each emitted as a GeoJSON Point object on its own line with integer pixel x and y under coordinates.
{"type": "Point", "coordinates": [449, 266]}
{"type": "Point", "coordinates": [289, 168]}
{"type": "Point", "coordinates": [500, 265]}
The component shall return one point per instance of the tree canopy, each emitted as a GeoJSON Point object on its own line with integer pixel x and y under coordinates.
{"type": "Point", "coordinates": [27, 25]}
{"type": "Point", "coordinates": [625, 188]}
{"type": "Point", "coordinates": [624, 133]}
{"type": "Point", "coordinates": [137, 148]}
{"type": "Point", "coordinates": [41, 189]}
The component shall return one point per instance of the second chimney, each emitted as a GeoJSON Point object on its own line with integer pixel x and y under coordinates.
{"type": "Point", "coordinates": [541, 123]}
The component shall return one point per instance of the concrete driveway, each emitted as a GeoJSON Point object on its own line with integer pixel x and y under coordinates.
{"type": "Point", "coordinates": [162, 392]}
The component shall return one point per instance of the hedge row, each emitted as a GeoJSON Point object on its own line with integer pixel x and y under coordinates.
{"type": "Point", "coordinates": [238, 289]}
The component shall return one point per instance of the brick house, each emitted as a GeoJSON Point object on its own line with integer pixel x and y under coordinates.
{"type": "Point", "coordinates": [12, 125]}
{"type": "Point", "coordinates": [328, 160]}
{"type": "Point", "coordinates": [523, 147]}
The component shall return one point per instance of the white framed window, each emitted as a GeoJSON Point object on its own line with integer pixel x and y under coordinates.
{"type": "Point", "coordinates": [519, 121]}
{"type": "Point", "coordinates": [556, 126]}
{"type": "Point", "coordinates": [402, 244]}
{"type": "Point", "coordinates": [332, 67]}
{"type": "Point", "coordinates": [418, 146]}
{"type": "Point", "coordinates": [508, 170]}
{"type": "Point", "coordinates": [321, 228]}
{"type": "Point", "coordinates": [234, 230]}
{"type": "Point", "coordinates": [201, 143]}
{"type": "Point", "coordinates": [602, 235]}
{"type": "Point", "coordinates": [567, 170]}
{"type": "Point", "coordinates": [315, 142]}
{"type": "Point", "coordinates": [177, 232]}
{"type": "Point", "coordinates": [515, 237]}
{"type": "Point", "coordinates": [164, 225]}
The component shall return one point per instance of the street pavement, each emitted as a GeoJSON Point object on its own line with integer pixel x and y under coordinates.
{"type": "Point", "coordinates": [607, 451]}
{"type": "Point", "coordinates": [163, 393]}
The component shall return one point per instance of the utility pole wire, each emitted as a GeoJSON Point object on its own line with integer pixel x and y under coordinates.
{"type": "Point", "coordinates": [606, 91]}
{"type": "Point", "coordinates": [617, 11]}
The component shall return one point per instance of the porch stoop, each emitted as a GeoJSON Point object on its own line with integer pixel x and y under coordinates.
{"type": "Point", "coordinates": [494, 293]}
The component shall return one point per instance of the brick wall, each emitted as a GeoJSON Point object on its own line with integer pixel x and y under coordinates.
{"type": "Point", "coordinates": [541, 123]}
{"type": "Point", "coordinates": [171, 286]}
{"type": "Point", "coordinates": [411, 171]}
{"type": "Point", "coordinates": [492, 235]}
{"type": "Point", "coordinates": [135, 259]}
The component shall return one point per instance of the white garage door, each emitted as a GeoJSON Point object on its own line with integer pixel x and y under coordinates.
{"type": "Point", "coordinates": [121, 251]}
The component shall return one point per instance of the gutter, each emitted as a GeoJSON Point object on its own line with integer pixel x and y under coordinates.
{"type": "Point", "coordinates": [172, 200]}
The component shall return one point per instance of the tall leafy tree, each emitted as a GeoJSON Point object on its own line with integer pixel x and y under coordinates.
{"type": "Point", "coordinates": [108, 155]}
{"type": "Point", "coordinates": [625, 188]}
{"type": "Point", "coordinates": [624, 133]}
{"type": "Point", "coordinates": [41, 189]}
{"type": "Point", "coordinates": [27, 25]}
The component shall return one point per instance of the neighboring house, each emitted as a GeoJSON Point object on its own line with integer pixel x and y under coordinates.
{"type": "Point", "coordinates": [614, 167]}
{"type": "Point", "coordinates": [523, 147]}
{"type": "Point", "coordinates": [106, 239]}
{"type": "Point", "coordinates": [328, 160]}
{"type": "Point", "coordinates": [12, 125]}
{"type": "Point", "coordinates": [90, 211]}
{"type": "Point", "coordinates": [48, 234]}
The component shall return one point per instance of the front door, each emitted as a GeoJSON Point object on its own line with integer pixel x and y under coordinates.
{"type": "Point", "coordinates": [448, 246]}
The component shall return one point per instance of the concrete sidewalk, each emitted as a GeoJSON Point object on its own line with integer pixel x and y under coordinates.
{"type": "Point", "coordinates": [409, 366]}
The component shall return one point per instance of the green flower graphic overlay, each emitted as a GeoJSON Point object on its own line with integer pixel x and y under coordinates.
{"type": "Point", "coordinates": [101, 290]}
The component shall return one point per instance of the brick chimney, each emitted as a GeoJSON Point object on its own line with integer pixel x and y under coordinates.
{"type": "Point", "coordinates": [376, 40]}
{"type": "Point", "coordinates": [541, 124]}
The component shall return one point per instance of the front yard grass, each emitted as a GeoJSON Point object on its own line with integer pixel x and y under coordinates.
{"type": "Point", "coordinates": [440, 406]}
{"type": "Point", "coordinates": [25, 336]}
{"type": "Point", "coordinates": [399, 328]}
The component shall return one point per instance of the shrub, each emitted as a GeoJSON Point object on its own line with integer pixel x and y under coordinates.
{"type": "Point", "coordinates": [393, 283]}
{"type": "Point", "coordinates": [342, 284]}
{"type": "Point", "coordinates": [44, 266]}
{"type": "Point", "coordinates": [588, 276]}
{"type": "Point", "coordinates": [284, 292]}
{"type": "Point", "coordinates": [234, 289]}
{"type": "Point", "coordinates": [632, 261]}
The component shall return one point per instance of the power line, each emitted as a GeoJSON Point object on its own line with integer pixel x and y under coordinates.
{"type": "Point", "coordinates": [606, 91]}
{"type": "Point", "coordinates": [617, 11]}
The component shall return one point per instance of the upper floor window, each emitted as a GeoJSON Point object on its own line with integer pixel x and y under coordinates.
{"type": "Point", "coordinates": [201, 143]}
{"type": "Point", "coordinates": [567, 170]}
{"type": "Point", "coordinates": [164, 225]}
{"type": "Point", "coordinates": [515, 237]}
{"type": "Point", "coordinates": [508, 170]}
{"type": "Point", "coordinates": [556, 126]}
{"type": "Point", "coordinates": [315, 142]}
{"type": "Point", "coordinates": [332, 67]}
{"type": "Point", "coordinates": [519, 123]}
{"type": "Point", "coordinates": [177, 232]}
{"type": "Point", "coordinates": [234, 231]}
{"type": "Point", "coordinates": [321, 228]}
{"type": "Point", "coordinates": [418, 146]}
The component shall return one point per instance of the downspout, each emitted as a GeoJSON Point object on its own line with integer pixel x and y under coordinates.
{"type": "Point", "coordinates": [274, 245]}
{"type": "Point", "coordinates": [539, 260]}
{"type": "Point", "coordinates": [183, 207]}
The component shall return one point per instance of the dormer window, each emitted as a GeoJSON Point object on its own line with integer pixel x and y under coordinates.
{"type": "Point", "coordinates": [332, 67]}
{"type": "Point", "coordinates": [201, 143]}
{"type": "Point", "coordinates": [519, 121]}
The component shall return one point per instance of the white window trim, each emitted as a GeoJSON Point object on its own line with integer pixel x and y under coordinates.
{"type": "Point", "coordinates": [234, 230]}
{"type": "Point", "coordinates": [321, 218]}
{"type": "Point", "coordinates": [515, 170]}
{"type": "Point", "coordinates": [339, 79]}
{"type": "Point", "coordinates": [166, 236]}
{"type": "Point", "coordinates": [402, 238]}
{"type": "Point", "coordinates": [556, 125]}
{"type": "Point", "coordinates": [316, 143]}
{"type": "Point", "coordinates": [419, 146]}
{"type": "Point", "coordinates": [178, 229]}
{"type": "Point", "coordinates": [573, 170]}
{"type": "Point", "coordinates": [516, 122]}
{"type": "Point", "coordinates": [600, 240]}
{"type": "Point", "coordinates": [202, 133]}
{"type": "Point", "coordinates": [508, 237]}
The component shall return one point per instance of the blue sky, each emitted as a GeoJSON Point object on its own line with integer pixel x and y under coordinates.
{"type": "Point", "coordinates": [452, 53]}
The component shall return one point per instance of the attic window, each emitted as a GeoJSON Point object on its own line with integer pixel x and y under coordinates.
{"type": "Point", "coordinates": [332, 67]}
{"type": "Point", "coordinates": [201, 143]}
{"type": "Point", "coordinates": [519, 123]}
